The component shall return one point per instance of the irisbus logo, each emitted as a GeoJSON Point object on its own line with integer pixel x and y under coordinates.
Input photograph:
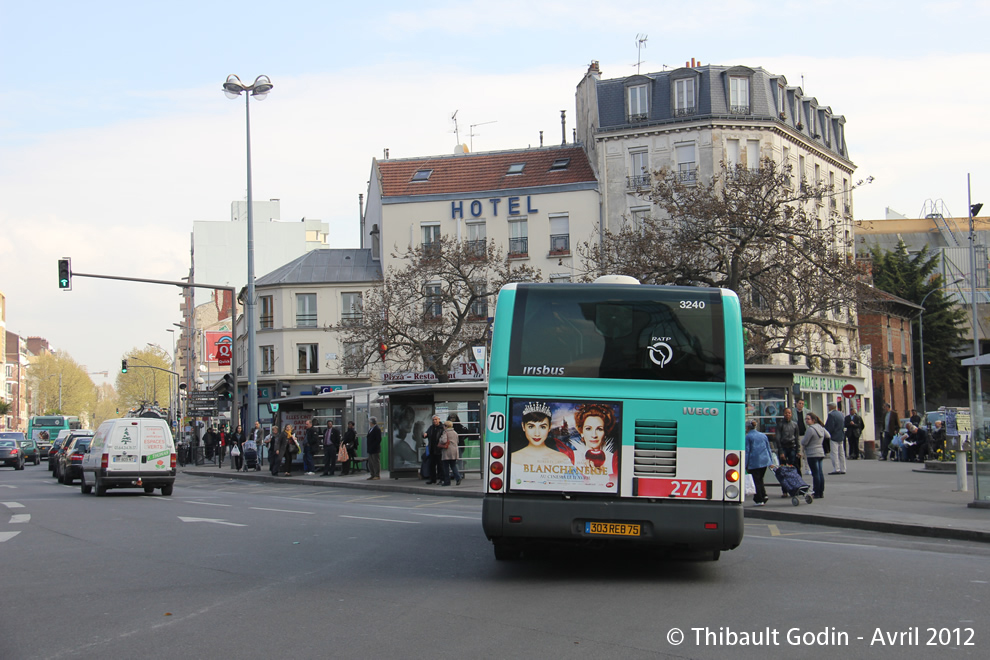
{"type": "Point", "coordinates": [713, 412]}
{"type": "Point", "coordinates": [543, 371]}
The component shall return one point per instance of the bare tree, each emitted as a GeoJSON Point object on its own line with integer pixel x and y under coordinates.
{"type": "Point", "coordinates": [430, 312]}
{"type": "Point", "coordinates": [776, 242]}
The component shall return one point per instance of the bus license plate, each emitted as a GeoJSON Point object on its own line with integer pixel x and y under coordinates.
{"type": "Point", "coordinates": [612, 529]}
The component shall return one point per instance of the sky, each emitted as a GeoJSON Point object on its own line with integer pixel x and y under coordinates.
{"type": "Point", "coordinates": [115, 135]}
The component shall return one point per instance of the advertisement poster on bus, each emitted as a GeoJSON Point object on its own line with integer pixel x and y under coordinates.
{"type": "Point", "coordinates": [565, 445]}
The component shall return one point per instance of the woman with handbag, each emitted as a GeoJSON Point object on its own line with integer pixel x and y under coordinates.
{"type": "Point", "coordinates": [814, 452]}
{"type": "Point", "coordinates": [450, 453]}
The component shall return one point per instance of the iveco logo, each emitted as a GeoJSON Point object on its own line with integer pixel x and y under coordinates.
{"type": "Point", "coordinates": [701, 411]}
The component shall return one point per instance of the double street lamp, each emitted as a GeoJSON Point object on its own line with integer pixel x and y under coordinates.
{"type": "Point", "coordinates": [259, 89]}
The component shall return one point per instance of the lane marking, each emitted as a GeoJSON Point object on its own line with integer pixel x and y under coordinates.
{"type": "Point", "coordinates": [404, 522]}
{"type": "Point", "coordinates": [774, 530]}
{"type": "Point", "coordinates": [215, 521]}
{"type": "Point", "coordinates": [7, 486]}
{"type": "Point", "coordinates": [206, 503]}
{"type": "Point", "coordinates": [20, 518]}
{"type": "Point", "coordinates": [370, 497]}
{"type": "Point", "coordinates": [13, 505]}
{"type": "Point", "coordinates": [258, 508]}
{"type": "Point", "coordinates": [435, 503]}
{"type": "Point", "coordinates": [442, 515]}
{"type": "Point", "coordinates": [6, 536]}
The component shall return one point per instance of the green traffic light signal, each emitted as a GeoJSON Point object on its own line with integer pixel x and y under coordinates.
{"type": "Point", "coordinates": [123, 366]}
{"type": "Point", "coordinates": [65, 274]}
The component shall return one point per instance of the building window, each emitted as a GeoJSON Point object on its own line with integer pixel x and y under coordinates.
{"type": "Point", "coordinates": [560, 277]}
{"type": "Point", "coordinates": [518, 238]}
{"type": "Point", "coordinates": [639, 216]}
{"type": "Point", "coordinates": [422, 175]}
{"type": "Point", "coordinates": [560, 235]}
{"type": "Point", "coordinates": [753, 155]}
{"type": "Point", "coordinates": [267, 359]}
{"type": "Point", "coordinates": [477, 240]}
{"type": "Point", "coordinates": [638, 103]}
{"type": "Point", "coordinates": [516, 168]}
{"type": "Point", "coordinates": [351, 308]}
{"type": "Point", "coordinates": [431, 236]}
{"type": "Point", "coordinates": [308, 355]}
{"type": "Point", "coordinates": [731, 155]}
{"type": "Point", "coordinates": [353, 355]}
{"type": "Point", "coordinates": [639, 174]}
{"type": "Point", "coordinates": [687, 170]}
{"type": "Point", "coordinates": [267, 313]}
{"type": "Point", "coordinates": [433, 307]}
{"type": "Point", "coordinates": [890, 344]}
{"type": "Point", "coordinates": [845, 196]}
{"type": "Point", "coordinates": [781, 99]}
{"type": "Point", "coordinates": [305, 310]}
{"type": "Point", "coordinates": [831, 190]}
{"type": "Point", "coordinates": [479, 307]}
{"type": "Point", "coordinates": [684, 97]}
{"type": "Point", "coordinates": [801, 174]}
{"type": "Point", "coordinates": [559, 164]}
{"type": "Point", "coordinates": [739, 96]}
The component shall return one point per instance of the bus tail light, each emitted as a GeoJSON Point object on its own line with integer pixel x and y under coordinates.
{"type": "Point", "coordinates": [498, 451]}
{"type": "Point", "coordinates": [732, 476]}
{"type": "Point", "coordinates": [495, 483]}
{"type": "Point", "coordinates": [732, 460]}
{"type": "Point", "coordinates": [496, 467]}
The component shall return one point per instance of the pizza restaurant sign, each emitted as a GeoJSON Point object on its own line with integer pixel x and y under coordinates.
{"type": "Point", "coordinates": [461, 371]}
{"type": "Point", "coordinates": [820, 383]}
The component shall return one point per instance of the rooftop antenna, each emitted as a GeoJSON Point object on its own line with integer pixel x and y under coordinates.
{"type": "Point", "coordinates": [457, 133]}
{"type": "Point", "coordinates": [471, 132]}
{"type": "Point", "coordinates": [640, 45]}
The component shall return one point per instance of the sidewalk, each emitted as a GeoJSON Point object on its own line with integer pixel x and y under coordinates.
{"type": "Point", "coordinates": [898, 498]}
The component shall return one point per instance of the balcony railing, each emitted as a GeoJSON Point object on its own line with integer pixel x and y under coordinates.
{"type": "Point", "coordinates": [560, 243]}
{"type": "Point", "coordinates": [351, 318]}
{"type": "Point", "coordinates": [519, 247]}
{"type": "Point", "coordinates": [267, 322]}
{"type": "Point", "coordinates": [476, 248]}
{"type": "Point", "coordinates": [638, 182]}
{"type": "Point", "coordinates": [687, 173]}
{"type": "Point", "coordinates": [739, 109]}
{"type": "Point", "coordinates": [306, 320]}
{"type": "Point", "coordinates": [638, 117]}
{"type": "Point", "coordinates": [685, 112]}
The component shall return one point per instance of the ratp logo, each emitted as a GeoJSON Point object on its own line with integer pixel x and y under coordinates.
{"type": "Point", "coordinates": [660, 352]}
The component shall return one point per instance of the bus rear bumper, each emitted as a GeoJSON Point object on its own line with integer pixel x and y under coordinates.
{"type": "Point", "coordinates": [700, 525]}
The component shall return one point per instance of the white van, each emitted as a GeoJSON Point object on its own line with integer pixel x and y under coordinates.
{"type": "Point", "coordinates": [133, 452]}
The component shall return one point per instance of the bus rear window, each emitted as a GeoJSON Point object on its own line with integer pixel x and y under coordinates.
{"type": "Point", "coordinates": [49, 421]}
{"type": "Point", "coordinates": [627, 332]}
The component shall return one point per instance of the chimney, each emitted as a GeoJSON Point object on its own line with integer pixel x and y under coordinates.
{"type": "Point", "coordinates": [593, 68]}
{"type": "Point", "coordinates": [563, 127]}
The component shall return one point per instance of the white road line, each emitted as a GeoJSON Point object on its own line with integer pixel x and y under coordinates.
{"type": "Point", "coordinates": [6, 536]}
{"type": "Point", "coordinates": [215, 521]}
{"type": "Point", "coordinates": [7, 486]}
{"type": "Point", "coordinates": [441, 515]}
{"type": "Point", "coordinates": [20, 518]}
{"type": "Point", "coordinates": [258, 508]}
{"type": "Point", "coordinates": [405, 522]}
{"type": "Point", "coordinates": [13, 505]}
{"type": "Point", "coordinates": [206, 503]}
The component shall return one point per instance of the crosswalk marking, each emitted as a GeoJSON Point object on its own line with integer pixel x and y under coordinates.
{"type": "Point", "coordinates": [13, 505]}
{"type": "Point", "coordinates": [20, 518]}
{"type": "Point", "coordinates": [6, 536]}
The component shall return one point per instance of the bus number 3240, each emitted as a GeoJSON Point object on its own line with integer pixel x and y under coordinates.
{"type": "Point", "coordinates": [692, 304]}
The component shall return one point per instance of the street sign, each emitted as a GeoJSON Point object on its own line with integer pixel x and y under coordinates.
{"type": "Point", "coordinates": [224, 351]}
{"type": "Point", "coordinates": [849, 391]}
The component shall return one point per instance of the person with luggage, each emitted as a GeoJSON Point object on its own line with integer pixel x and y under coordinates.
{"type": "Point", "coordinates": [236, 442]}
{"type": "Point", "coordinates": [350, 442]}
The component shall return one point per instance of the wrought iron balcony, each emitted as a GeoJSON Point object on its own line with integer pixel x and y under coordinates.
{"type": "Point", "coordinates": [519, 247]}
{"type": "Point", "coordinates": [560, 244]}
{"type": "Point", "coordinates": [638, 182]}
{"type": "Point", "coordinates": [685, 112]}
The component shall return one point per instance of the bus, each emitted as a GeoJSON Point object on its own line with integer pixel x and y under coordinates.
{"type": "Point", "coordinates": [50, 424]}
{"type": "Point", "coordinates": [615, 416]}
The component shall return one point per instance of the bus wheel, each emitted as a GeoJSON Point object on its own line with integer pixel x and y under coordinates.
{"type": "Point", "coordinates": [506, 552]}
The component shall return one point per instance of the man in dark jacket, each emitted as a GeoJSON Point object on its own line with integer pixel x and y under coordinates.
{"type": "Point", "coordinates": [854, 429]}
{"type": "Point", "coordinates": [433, 435]}
{"type": "Point", "coordinates": [310, 443]}
{"type": "Point", "coordinates": [834, 423]}
{"type": "Point", "coordinates": [331, 445]}
{"type": "Point", "coordinates": [374, 450]}
{"type": "Point", "coordinates": [890, 426]}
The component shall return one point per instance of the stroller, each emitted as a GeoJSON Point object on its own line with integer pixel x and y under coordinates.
{"type": "Point", "coordinates": [792, 483]}
{"type": "Point", "coordinates": [250, 461]}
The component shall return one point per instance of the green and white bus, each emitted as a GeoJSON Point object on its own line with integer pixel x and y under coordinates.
{"type": "Point", "coordinates": [615, 414]}
{"type": "Point", "coordinates": [45, 428]}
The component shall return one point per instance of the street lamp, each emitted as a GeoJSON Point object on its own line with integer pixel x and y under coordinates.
{"type": "Point", "coordinates": [921, 341]}
{"type": "Point", "coordinates": [259, 89]}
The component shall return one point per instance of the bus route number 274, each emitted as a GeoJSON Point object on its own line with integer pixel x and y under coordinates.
{"type": "Point", "coordinates": [692, 304]}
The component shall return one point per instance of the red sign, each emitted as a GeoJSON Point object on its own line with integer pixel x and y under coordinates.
{"type": "Point", "coordinates": [849, 391]}
{"type": "Point", "coordinates": [223, 352]}
{"type": "Point", "coordinates": [688, 488]}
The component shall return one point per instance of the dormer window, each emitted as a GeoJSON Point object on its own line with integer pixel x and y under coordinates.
{"type": "Point", "coordinates": [638, 103]}
{"type": "Point", "coordinates": [422, 175]}
{"type": "Point", "coordinates": [516, 168]}
{"type": "Point", "coordinates": [684, 98]}
{"type": "Point", "coordinates": [738, 95]}
{"type": "Point", "coordinates": [559, 164]}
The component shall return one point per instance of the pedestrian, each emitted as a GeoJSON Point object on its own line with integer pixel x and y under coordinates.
{"type": "Point", "coordinates": [236, 442]}
{"type": "Point", "coordinates": [915, 417]}
{"type": "Point", "coordinates": [271, 444]}
{"type": "Point", "coordinates": [938, 440]}
{"type": "Point", "coordinates": [350, 441]}
{"type": "Point", "coordinates": [310, 441]}
{"type": "Point", "coordinates": [374, 442]}
{"type": "Point", "coordinates": [891, 427]}
{"type": "Point", "coordinates": [854, 426]}
{"type": "Point", "coordinates": [814, 452]}
{"type": "Point", "coordinates": [917, 443]}
{"type": "Point", "coordinates": [787, 438]}
{"type": "Point", "coordinates": [249, 452]}
{"type": "Point", "coordinates": [433, 435]}
{"type": "Point", "coordinates": [288, 449]}
{"type": "Point", "coordinates": [450, 452]}
{"type": "Point", "coordinates": [462, 432]}
{"type": "Point", "coordinates": [256, 436]}
{"type": "Point", "coordinates": [799, 417]}
{"type": "Point", "coordinates": [210, 440]}
{"type": "Point", "coordinates": [759, 456]}
{"type": "Point", "coordinates": [834, 423]}
{"type": "Point", "coordinates": [331, 445]}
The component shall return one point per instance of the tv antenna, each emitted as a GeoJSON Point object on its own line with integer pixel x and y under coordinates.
{"type": "Point", "coordinates": [471, 132]}
{"type": "Point", "coordinates": [457, 133]}
{"type": "Point", "coordinates": [640, 45]}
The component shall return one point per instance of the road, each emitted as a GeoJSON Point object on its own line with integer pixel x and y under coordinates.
{"type": "Point", "coordinates": [249, 570]}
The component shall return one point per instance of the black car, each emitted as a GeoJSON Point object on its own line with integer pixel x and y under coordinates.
{"type": "Point", "coordinates": [70, 461]}
{"type": "Point", "coordinates": [55, 452]}
{"type": "Point", "coordinates": [10, 454]}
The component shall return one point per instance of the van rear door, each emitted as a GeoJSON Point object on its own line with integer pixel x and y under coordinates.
{"type": "Point", "coordinates": [156, 446]}
{"type": "Point", "coordinates": [124, 446]}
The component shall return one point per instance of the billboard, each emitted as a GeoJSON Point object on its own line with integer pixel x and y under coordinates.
{"type": "Point", "coordinates": [213, 351]}
{"type": "Point", "coordinates": [565, 445]}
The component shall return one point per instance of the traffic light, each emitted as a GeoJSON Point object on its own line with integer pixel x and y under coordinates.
{"type": "Point", "coordinates": [228, 384]}
{"type": "Point", "coordinates": [382, 350]}
{"type": "Point", "coordinates": [65, 274]}
{"type": "Point", "coordinates": [123, 366]}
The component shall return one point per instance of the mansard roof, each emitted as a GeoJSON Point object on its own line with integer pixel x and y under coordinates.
{"type": "Point", "coordinates": [326, 266]}
{"type": "Point", "coordinates": [485, 171]}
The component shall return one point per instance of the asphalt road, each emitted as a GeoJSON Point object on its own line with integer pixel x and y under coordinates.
{"type": "Point", "coordinates": [237, 569]}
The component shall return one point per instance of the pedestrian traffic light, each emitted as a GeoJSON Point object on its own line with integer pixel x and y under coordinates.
{"type": "Point", "coordinates": [123, 366]}
{"type": "Point", "coordinates": [65, 274]}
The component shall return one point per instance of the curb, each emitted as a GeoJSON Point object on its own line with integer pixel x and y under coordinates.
{"type": "Point", "coordinates": [906, 529]}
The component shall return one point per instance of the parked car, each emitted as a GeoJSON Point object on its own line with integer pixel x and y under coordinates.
{"type": "Point", "coordinates": [10, 453]}
{"type": "Point", "coordinates": [32, 454]}
{"type": "Point", "coordinates": [63, 436]}
{"type": "Point", "coordinates": [70, 462]}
